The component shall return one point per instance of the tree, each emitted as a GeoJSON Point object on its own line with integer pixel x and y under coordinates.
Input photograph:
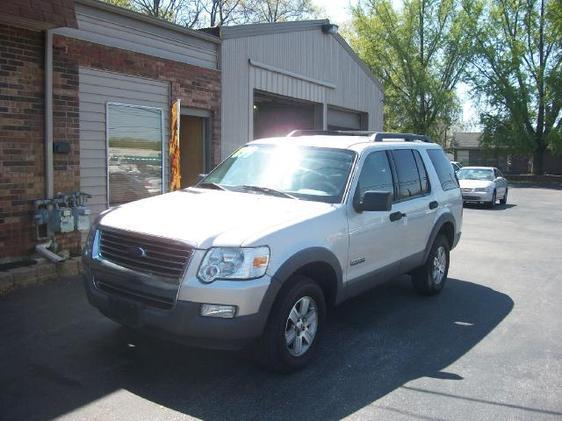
{"type": "Point", "coordinates": [516, 71]}
{"type": "Point", "coordinates": [222, 12]}
{"type": "Point", "coordinates": [260, 11]}
{"type": "Point", "coordinates": [205, 13]}
{"type": "Point", "coordinates": [419, 54]}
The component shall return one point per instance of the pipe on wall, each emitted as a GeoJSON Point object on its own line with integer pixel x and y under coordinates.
{"type": "Point", "coordinates": [49, 182]}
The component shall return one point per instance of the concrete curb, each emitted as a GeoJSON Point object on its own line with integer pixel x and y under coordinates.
{"type": "Point", "coordinates": [43, 271]}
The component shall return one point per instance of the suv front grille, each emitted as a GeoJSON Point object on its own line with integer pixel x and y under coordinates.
{"type": "Point", "coordinates": [143, 253]}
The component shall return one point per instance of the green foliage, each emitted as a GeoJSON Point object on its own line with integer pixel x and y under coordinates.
{"type": "Point", "coordinates": [516, 71]}
{"type": "Point", "coordinates": [121, 3]}
{"type": "Point", "coordinates": [419, 53]}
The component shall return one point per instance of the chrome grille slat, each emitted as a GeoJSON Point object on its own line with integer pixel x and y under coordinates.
{"type": "Point", "coordinates": [120, 252]}
{"type": "Point", "coordinates": [135, 265]}
{"type": "Point", "coordinates": [162, 259]}
{"type": "Point", "coordinates": [133, 241]}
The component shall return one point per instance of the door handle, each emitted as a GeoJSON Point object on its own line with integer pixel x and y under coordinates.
{"type": "Point", "coordinates": [396, 216]}
{"type": "Point", "coordinates": [433, 204]}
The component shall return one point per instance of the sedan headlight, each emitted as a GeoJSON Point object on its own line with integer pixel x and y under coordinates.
{"type": "Point", "coordinates": [484, 189]}
{"type": "Point", "coordinates": [233, 263]}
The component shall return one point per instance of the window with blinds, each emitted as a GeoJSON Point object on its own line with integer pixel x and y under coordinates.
{"type": "Point", "coordinates": [135, 142]}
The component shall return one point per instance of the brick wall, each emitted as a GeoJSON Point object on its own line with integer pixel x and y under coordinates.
{"type": "Point", "coordinates": [22, 175]}
{"type": "Point", "coordinates": [39, 14]}
{"type": "Point", "coordinates": [21, 136]}
{"type": "Point", "coordinates": [196, 86]}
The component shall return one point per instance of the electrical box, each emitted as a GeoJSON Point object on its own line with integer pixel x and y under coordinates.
{"type": "Point", "coordinates": [66, 220]}
{"type": "Point", "coordinates": [81, 218]}
{"type": "Point", "coordinates": [64, 213]}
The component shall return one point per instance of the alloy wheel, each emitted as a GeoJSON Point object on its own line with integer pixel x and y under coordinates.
{"type": "Point", "coordinates": [301, 326]}
{"type": "Point", "coordinates": [439, 265]}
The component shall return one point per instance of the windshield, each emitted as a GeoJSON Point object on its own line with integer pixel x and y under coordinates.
{"type": "Point", "coordinates": [308, 173]}
{"type": "Point", "coordinates": [475, 174]}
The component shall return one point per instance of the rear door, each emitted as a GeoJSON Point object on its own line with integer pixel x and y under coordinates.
{"type": "Point", "coordinates": [414, 207]}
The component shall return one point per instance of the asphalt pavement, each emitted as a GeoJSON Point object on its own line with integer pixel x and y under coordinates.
{"type": "Point", "coordinates": [489, 347]}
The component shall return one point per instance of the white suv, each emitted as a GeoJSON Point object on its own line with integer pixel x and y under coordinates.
{"type": "Point", "coordinates": [278, 233]}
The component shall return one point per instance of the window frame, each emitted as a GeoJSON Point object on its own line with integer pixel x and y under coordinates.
{"type": "Point", "coordinates": [356, 196]}
{"type": "Point", "coordinates": [163, 140]}
{"type": "Point", "coordinates": [434, 166]}
{"type": "Point", "coordinates": [394, 169]}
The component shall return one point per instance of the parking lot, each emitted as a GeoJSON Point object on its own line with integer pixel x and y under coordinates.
{"type": "Point", "coordinates": [489, 347]}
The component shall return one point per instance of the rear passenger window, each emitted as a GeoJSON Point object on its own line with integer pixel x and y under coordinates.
{"type": "Point", "coordinates": [443, 168]}
{"type": "Point", "coordinates": [375, 174]}
{"type": "Point", "coordinates": [422, 172]}
{"type": "Point", "coordinates": [409, 183]}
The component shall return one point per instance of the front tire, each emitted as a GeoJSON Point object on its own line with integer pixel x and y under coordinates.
{"type": "Point", "coordinates": [430, 278]}
{"type": "Point", "coordinates": [294, 327]}
{"type": "Point", "coordinates": [492, 203]}
{"type": "Point", "coordinates": [503, 201]}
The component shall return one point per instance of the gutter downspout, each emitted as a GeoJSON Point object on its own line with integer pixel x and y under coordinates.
{"type": "Point", "coordinates": [49, 184]}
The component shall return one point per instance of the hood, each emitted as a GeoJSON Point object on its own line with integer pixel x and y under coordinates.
{"type": "Point", "coordinates": [205, 218]}
{"type": "Point", "coordinates": [472, 184]}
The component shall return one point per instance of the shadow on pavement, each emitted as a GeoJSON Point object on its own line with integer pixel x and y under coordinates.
{"type": "Point", "coordinates": [496, 208]}
{"type": "Point", "coordinates": [66, 355]}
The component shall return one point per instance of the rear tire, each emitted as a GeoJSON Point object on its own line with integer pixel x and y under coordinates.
{"type": "Point", "coordinates": [295, 325]}
{"type": "Point", "coordinates": [430, 278]}
{"type": "Point", "coordinates": [503, 201]}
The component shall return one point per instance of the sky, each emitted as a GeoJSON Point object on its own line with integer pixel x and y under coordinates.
{"type": "Point", "coordinates": [339, 12]}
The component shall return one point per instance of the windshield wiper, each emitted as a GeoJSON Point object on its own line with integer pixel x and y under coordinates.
{"type": "Point", "coordinates": [268, 190]}
{"type": "Point", "coordinates": [209, 185]}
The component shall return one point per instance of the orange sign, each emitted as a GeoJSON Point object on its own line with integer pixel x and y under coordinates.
{"type": "Point", "coordinates": [174, 147]}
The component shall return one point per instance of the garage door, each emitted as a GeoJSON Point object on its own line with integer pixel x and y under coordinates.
{"type": "Point", "coordinates": [134, 113]}
{"type": "Point", "coordinates": [343, 120]}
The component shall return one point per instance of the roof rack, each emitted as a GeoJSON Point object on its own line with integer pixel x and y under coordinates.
{"type": "Point", "coordinates": [373, 136]}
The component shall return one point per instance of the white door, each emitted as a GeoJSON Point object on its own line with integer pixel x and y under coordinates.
{"type": "Point", "coordinates": [501, 184]}
{"type": "Point", "coordinates": [414, 202]}
{"type": "Point", "coordinates": [373, 238]}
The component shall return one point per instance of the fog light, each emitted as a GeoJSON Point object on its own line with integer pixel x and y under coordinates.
{"type": "Point", "coordinates": [218, 310]}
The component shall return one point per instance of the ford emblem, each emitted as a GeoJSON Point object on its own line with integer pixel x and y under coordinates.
{"type": "Point", "coordinates": [136, 251]}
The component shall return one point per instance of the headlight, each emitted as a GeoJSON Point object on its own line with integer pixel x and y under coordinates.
{"type": "Point", "coordinates": [92, 245]}
{"type": "Point", "coordinates": [233, 263]}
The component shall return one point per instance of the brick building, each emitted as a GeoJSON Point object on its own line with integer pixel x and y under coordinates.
{"type": "Point", "coordinates": [87, 90]}
{"type": "Point", "coordinates": [468, 150]}
{"type": "Point", "coordinates": [85, 96]}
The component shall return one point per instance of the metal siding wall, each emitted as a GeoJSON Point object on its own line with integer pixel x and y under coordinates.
{"type": "Point", "coordinates": [234, 95]}
{"type": "Point", "coordinates": [97, 88]}
{"type": "Point", "coordinates": [308, 53]}
{"type": "Point", "coordinates": [109, 29]}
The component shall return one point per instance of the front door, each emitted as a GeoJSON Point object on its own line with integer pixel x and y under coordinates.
{"type": "Point", "coordinates": [373, 238]}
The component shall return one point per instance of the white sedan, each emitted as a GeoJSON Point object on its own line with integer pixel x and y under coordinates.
{"type": "Point", "coordinates": [483, 185]}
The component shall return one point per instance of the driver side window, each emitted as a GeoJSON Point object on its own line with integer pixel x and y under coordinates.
{"type": "Point", "coordinates": [375, 174]}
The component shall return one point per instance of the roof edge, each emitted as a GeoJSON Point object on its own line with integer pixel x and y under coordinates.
{"type": "Point", "coordinates": [149, 19]}
{"type": "Point", "coordinates": [239, 31]}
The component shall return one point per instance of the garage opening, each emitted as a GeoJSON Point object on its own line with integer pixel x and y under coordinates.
{"type": "Point", "coordinates": [193, 146]}
{"type": "Point", "coordinates": [276, 115]}
{"type": "Point", "coordinates": [339, 119]}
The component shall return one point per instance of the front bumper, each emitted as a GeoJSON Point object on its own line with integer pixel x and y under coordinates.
{"type": "Point", "coordinates": [474, 196]}
{"type": "Point", "coordinates": [182, 322]}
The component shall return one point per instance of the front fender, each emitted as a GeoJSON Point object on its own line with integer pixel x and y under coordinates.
{"type": "Point", "coordinates": [293, 264]}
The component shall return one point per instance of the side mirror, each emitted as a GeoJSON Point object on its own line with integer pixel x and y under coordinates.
{"type": "Point", "coordinates": [372, 201]}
